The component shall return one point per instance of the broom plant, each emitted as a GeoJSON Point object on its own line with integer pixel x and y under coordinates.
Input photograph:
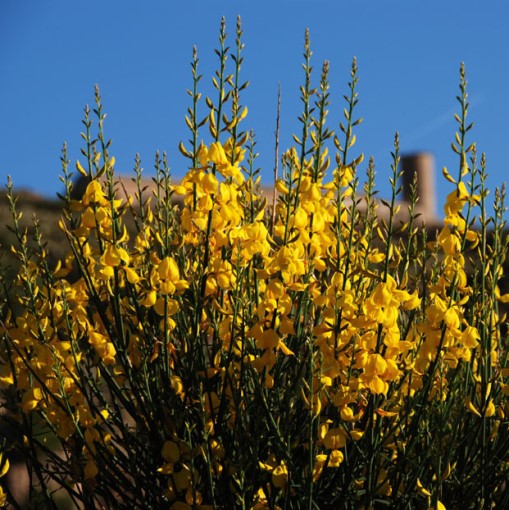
{"type": "Point", "coordinates": [202, 347]}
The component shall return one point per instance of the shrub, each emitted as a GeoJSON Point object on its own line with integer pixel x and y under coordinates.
{"type": "Point", "coordinates": [233, 353]}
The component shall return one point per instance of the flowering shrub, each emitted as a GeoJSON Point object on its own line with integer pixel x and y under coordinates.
{"type": "Point", "coordinates": [227, 354]}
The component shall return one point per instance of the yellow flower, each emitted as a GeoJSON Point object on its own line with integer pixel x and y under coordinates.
{"type": "Point", "coordinates": [435, 312]}
{"type": "Point", "coordinates": [472, 408]}
{"type": "Point", "coordinates": [132, 275]}
{"type": "Point", "coordinates": [31, 399]}
{"type": "Point", "coordinates": [114, 256]}
{"type": "Point", "coordinates": [449, 240]}
{"type": "Point", "coordinates": [422, 490]}
{"type": "Point", "coordinates": [456, 200]}
{"type": "Point", "coordinates": [88, 218]}
{"type": "Point", "coordinates": [490, 409]}
{"type": "Point", "coordinates": [320, 461]}
{"type": "Point", "coordinates": [280, 475]}
{"type": "Point", "coordinates": [334, 439]}
{"type": "Point", "coordinates": [104, 348]}
{"type": "Point", "coordinates": [166, 277]}
{"type": "Point", "coordinates": [209, 184]}
{"type": "Point", "coordinates": [150, 299]}
{"type": "Point", "coordinates": [168, 270]}
{"type": "Point", "coordinates": [217, 155]}
{"type": "Point", "coordinates": [267, 339]}
{"type": "Point", "coordinates": [93, 194]}
{"type": "Point", "coordinates": [336, 457]}
{"type": "Point", "coordinates": [470, 337]}
{"type": "Point", "coordinates": [383, 293]}
{"type": "Point", "coordinates": [4, 466]}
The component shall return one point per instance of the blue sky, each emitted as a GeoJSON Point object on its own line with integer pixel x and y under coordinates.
{"type": "Point", "coordinates": [52, 53]}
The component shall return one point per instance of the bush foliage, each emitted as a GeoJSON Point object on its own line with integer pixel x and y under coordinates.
{"type": "Point", "coordinates": [231, 352]}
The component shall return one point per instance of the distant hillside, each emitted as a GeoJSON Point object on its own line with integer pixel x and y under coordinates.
{"type": "Point", "coordinates": [31, 205]}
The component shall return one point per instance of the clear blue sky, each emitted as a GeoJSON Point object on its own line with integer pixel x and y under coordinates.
{"type": "Point", "coordinates": [52, 53]}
